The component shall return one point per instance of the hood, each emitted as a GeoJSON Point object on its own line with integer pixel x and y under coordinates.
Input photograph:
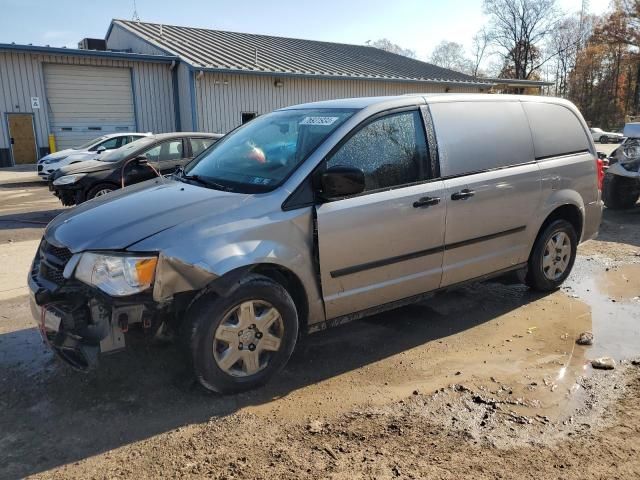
{"type": "Point", "coordinates": [127, 216]}
{"type": "Point", "coordinates": [58, 155]}
{"type": "Point", "coordinates": [87, 166]}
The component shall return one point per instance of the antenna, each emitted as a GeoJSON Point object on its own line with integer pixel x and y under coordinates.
{"type": "Point", "coordinates": [135, 17]}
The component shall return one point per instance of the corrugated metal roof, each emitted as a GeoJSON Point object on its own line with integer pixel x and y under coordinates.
{"type": "Point", "coordinates": [14, 47]}
{"type": "Point", "coordinates": [220, 50]}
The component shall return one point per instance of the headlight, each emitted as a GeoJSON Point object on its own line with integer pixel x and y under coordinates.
{"type": "Point", "coordinates": [68, 179]}
{"type": "Point", "coordinates": [631, 154]}
{"type": "Point", "coordinates": [117, 275]}
{"type": "Point", "coordinates": [48, 161]}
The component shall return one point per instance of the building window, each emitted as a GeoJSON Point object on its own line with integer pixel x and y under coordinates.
{"type": "Point", "coordinates": [248, 116]}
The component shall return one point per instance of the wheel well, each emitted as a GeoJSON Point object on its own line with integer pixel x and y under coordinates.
{"type": "Point", "coordinates": [570, 213]}
{"type": "Point", "coordinates": [291, 283]}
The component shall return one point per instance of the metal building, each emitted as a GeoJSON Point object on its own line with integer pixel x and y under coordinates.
{"type": "Point", "coordinates": [77, 95]}
{"type": "Point", "coordinates": [226, 78]}
{"type": "Point", "coordinates": [162, 78]}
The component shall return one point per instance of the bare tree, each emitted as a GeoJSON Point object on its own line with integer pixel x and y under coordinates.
{"type": "Point", "coordinates": [518, 29]}
{"type": "Point", "coordinates": [563, 47]}
{"type": "Point", "coordinates": [479, 45]}
{"type": "Point", "coordinates": [451, 55]}
{"type": "Point", "coordinates": [388, 46]}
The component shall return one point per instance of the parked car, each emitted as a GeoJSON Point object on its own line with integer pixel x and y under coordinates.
{"type": "Point", "coordinates": [622, 181]}
{"type": "Point", "coordinates": [317, 214]}
{"type": "Point", "coordinates": [601, 136]}
{"type": "Point", "coordinates": [48, 164]}
{"type": "Point", "coordinates": [136, 162]}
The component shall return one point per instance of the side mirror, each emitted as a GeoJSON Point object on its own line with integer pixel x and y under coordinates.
{"type": "Point", "coordinates": [142, 160]}
{"type": "Point", "coordinates": [341, 181]}
{"type": "Point", "coordinates": [101, 149]}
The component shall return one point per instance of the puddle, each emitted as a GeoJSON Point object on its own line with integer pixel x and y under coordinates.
{"type": "Point", "coordinates": [502, 340]}
{"type": "Point", "coordinates": [622, 283]}
{"type": "Point", "coordinates": [614, 309]}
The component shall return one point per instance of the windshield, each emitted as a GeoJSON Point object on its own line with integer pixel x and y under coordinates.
{"type": "Point", "coordinates": [84, 146]}
{"type": "Point", "coordinates": [260, 155]}
{"type": "Point", "coordinates": [122, 152]}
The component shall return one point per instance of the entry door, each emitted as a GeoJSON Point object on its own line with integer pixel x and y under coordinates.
{"type": "Point", "coordinates": [385, 244]}
{"type": "Point", "coordinates": [23, 138]}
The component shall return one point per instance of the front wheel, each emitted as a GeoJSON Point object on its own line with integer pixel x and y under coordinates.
{"type": "Point", "coordinates": [552, 257]}
{"type": "Point", "coordinates": [604, 139]}
{"type": "Point", "coordinates": [100, 190]}
{"type": "Point", "coordinates": [239, 341]}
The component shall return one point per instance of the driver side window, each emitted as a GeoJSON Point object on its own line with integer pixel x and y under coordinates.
{"type": "Point", "coordinates": [391, 151]}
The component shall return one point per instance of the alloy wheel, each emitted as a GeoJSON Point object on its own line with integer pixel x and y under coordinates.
{"type": "Point", "coordinates": [557, 255]}
{"type": "Point", "coordinates": [246, 339]}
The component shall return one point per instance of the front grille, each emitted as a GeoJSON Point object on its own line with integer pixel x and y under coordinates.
{"type": "Point", "coordinates": [61, 253]}
{"type": "Point", "coordinates": [52, 262]}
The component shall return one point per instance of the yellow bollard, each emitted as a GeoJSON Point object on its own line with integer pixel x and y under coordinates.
{"type": "Point", "coordinates": [52, 143]}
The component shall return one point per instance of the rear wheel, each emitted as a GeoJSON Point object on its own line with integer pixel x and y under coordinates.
{"type": "Point", "coordinates": [604, 139]}
{"type": "Point", "coordinates": [552, 257]}
{"type": "Point", "coordinates": [620, 192]}
{"type": "Point", "coordinates": [239, 341]}
{"type": "Point", "coordinates": [100, 190]}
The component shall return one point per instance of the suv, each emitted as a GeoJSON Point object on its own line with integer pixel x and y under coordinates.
{"type": "Point", "coordinates": [48, 164]}
{"type": "Point", "coordinates": [315, 215]}
{"type": "Point", "coordinates": [622, 181]}
{"type": "Point", "coordinates": [151, 156]}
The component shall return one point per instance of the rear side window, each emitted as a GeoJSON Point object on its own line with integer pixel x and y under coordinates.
{"type": "Point", "coordinates": [555, 130]}
{"type": "Point", "coordinates": [171, 150]}
{"type": "Point", "coordinates": [479, 136]}
{"type": "Point", "coordinates": [199, 145]}
{"type": "Point", "coordinates": [391, 151]}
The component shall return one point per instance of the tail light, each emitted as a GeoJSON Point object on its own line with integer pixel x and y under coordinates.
{"type": "Point", "coordinates": [600, 172]}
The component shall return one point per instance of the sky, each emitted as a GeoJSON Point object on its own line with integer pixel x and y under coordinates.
{"type": "Point", "coordinates": [415, 24]}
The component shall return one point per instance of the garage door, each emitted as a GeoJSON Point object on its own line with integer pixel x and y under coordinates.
{"type": "Point", "coordinates": [85, 102]}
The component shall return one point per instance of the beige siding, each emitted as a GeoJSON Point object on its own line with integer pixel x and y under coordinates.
{"type": "Point", "coordinates": [220, 98]}
{"type": "Point", "coordinates": [22, 77]}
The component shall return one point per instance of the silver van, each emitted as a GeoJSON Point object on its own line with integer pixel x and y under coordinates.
{"type": "Point", "coordinates": [314, 215]}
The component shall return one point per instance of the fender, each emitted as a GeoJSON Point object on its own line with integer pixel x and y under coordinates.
{"type": "Point", "coordinates": [558, 198]}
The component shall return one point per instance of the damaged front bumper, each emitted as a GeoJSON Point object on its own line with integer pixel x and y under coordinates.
{"type": "Point", "coordinates": [77, 321]}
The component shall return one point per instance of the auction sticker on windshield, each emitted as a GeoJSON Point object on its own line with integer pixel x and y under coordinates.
{"type": "Point", "coordinates": [319, 120]}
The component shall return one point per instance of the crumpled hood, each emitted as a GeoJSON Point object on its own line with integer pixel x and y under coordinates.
{"type": "Point", "coordinates": [85, 167]}
{"type": "Point", "coordinates": [127, 216]}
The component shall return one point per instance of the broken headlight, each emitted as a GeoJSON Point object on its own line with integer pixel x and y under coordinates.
{"type": "Point", "coordinates": [631, 155]}
{"type": "Point", "coordinates": [117, 275]}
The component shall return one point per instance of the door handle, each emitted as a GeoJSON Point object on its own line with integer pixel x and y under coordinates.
{"type": "Point", "coordinates": [462, 194]}
{"type": "Point", "coordinates": [426, 202]}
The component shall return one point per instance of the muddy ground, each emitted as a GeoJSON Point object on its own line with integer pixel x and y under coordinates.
{"type": "Point", "coordinates": [482, 382]}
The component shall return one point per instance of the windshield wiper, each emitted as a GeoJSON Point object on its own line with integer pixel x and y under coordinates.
{"type": "Point", "coordinates": [201, 180]}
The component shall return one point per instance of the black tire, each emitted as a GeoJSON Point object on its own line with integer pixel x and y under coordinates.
{"type": "Point", "coordinates": [536, 277]}
{"type": "Point", "coordinates": [620, 192]}
{"type": "Point", "coordinates": [604, 139]}
{"type": "Point", "coordinates": [94, 191]}
{"type": "Point", "coordinates": [211, 310]}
